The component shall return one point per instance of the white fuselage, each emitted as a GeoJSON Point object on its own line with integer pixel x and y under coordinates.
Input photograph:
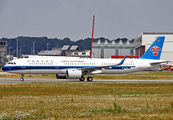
{"type": "Point", "coordinates": [58, 65]}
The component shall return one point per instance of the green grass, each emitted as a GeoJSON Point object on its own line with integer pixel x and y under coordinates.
{"type": "Point", "coordinates": [86, 101]}
{"type": "Point", "coordinates": [88, 89]}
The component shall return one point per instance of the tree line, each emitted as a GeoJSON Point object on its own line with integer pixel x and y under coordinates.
{"type": "Point", "coordinates": [25, 44]}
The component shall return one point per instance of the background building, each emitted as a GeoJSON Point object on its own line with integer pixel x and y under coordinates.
{"type": "Point", "coordinates": [106, 49]}
{"type": "Point", "coordinates": [82, 54]}
{"type": "Point", "coordinates": [66, 50]}
{"type": "Point", "coordinates": [145, 39]}
{"type": "Point", "coordinates": [69, 50]}
{"type": "Point", "coordinates": [3, 52]}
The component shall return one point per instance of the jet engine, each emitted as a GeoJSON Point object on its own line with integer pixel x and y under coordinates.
{"type": "Point", "coordinates": [73, 74]}
{"type": "Point", "coordinates": [60, 76]}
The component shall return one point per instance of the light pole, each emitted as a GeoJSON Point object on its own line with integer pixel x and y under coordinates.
{"type": "Point", "coordinates": [47, 46]}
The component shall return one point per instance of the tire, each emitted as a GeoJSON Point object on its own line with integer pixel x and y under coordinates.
{"type": "Point", "coordinates": [89, 79]}
{"type": "Point", "coordinates": [82, 79]}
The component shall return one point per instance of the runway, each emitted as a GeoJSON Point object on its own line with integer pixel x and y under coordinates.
{"type": "Point", "coordinates": [11, 80]}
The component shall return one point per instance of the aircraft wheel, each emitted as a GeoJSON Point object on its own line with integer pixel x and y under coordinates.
{"type": "Point", "coordinates": [22, 78]}
{"type": "Point", "coordinates": [82, 79]}
{"type": "Point", "coordinates": [89, 79]}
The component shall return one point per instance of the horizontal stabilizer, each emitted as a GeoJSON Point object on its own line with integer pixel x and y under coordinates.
{"type": "Point", "coordinates": [158, 63]}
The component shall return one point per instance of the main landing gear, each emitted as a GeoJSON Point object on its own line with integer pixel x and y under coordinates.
{"type": "Point", "coordinates": [82, 78]}
{"type": "Point", "coordinates": [89, 79]}
{"type": "Point", "coordinates": [22, 79]}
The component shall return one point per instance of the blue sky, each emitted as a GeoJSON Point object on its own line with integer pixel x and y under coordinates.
{"type": "Point", "coordinates": [73, 18]}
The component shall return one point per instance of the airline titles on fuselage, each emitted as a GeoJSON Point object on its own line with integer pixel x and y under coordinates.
{"type": "Point", "coordinates": [74, 62]}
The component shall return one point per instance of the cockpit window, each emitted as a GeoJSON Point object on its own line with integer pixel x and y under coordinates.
{"type": "Point", "coordinates": [12, 63]}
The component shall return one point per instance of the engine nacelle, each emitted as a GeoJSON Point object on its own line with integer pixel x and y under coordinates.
{"type": "Point", "coordinates": [60, 76]}
{"type": "Point", "coordinates": [73, 74]}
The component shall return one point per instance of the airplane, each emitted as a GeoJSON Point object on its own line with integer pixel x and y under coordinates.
{"type": "Point", "coordinates": [76, 68]}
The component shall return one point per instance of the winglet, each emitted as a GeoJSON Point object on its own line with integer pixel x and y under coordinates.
{"type": "Point", "coordinates": [122, 61]}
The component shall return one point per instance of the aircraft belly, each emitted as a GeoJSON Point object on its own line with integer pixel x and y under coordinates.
{"type": "Point", "coordinates": [20, 72]}
{"type": "Point", "coordinates": [120, 71]}
{"type": "Point", "coordinates": [47, 72]}
{"type": "Point", "coordinates": [113, 72]}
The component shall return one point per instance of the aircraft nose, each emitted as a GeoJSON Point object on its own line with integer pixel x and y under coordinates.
{"type": "Point", "coordinates": [3, 68]}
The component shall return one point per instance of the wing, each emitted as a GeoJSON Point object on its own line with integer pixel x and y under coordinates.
{"type": "Point", "coordinates": [90, 69]}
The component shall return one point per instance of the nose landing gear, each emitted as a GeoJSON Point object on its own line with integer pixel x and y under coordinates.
{"type": "Point", "coordinates": [22, 79]}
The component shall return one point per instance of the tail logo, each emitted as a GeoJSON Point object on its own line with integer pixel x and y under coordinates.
{"type": "Point", "coordinates": [155, 50]}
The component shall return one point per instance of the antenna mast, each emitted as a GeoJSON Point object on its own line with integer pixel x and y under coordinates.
{"type": "Point", "coordinates": [92, 36]}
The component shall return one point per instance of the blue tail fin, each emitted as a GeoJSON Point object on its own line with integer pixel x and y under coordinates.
{"type": "Point", "coordinates": [155, 50]}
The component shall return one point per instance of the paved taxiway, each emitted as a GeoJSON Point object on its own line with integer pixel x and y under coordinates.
{"type": "Point", "coordinates": [8, 80]}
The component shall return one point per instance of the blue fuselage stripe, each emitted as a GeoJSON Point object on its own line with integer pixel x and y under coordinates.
{"type": "Point", "coordinates": [15, 68]}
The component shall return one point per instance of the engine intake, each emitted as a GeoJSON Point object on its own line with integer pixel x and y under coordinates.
{"type": "Point", "coordinates": [73, 74]}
